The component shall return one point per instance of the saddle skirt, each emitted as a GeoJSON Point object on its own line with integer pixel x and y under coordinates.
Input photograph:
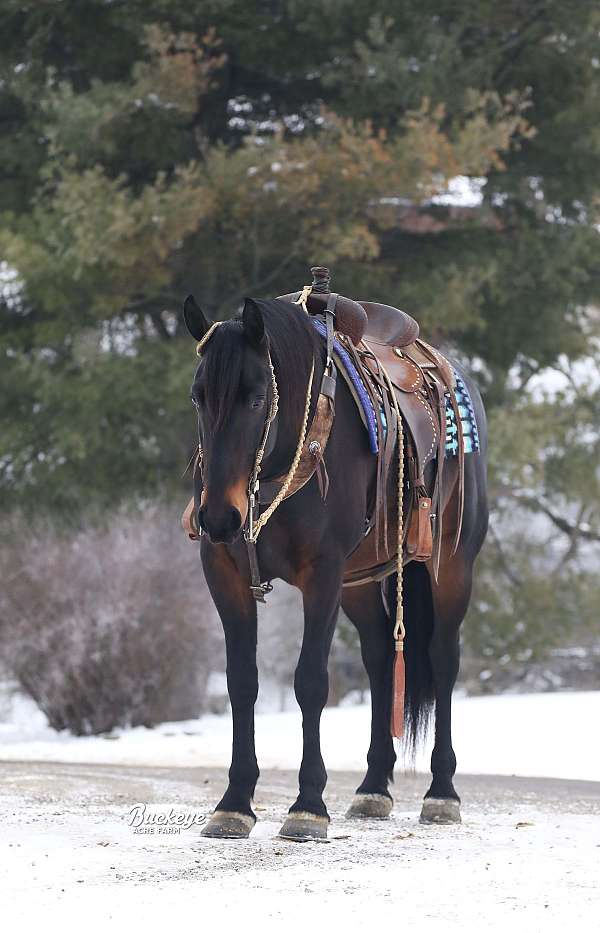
{"type": "Point", "coordinates": [425, 387]}
{"type": "Point", "coordinates": [417, 372]}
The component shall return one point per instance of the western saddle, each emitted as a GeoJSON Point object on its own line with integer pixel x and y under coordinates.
{"type": "Point", "coordinates": [382, 338]}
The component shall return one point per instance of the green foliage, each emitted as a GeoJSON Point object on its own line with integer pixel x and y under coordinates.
{"type": "Point", "coordinates": [537, 582]}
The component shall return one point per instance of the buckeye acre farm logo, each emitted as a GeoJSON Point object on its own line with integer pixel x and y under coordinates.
{"type": "Point", "coordinates": [166, 821]}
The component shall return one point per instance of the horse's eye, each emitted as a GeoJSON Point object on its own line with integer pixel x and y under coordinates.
{"type": "Point", "coordinates": [257, 402]}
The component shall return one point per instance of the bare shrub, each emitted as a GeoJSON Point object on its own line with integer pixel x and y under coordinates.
{"type": "Point", "coordinates": [109, 628]}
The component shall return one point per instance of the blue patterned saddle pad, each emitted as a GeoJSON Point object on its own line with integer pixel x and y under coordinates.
{"type": "Point", "coordinates": [463, 399]}
{"type": "Point", "coordinates": [467, 419]}
{"type": "Point", "coordinates": [353, 375]}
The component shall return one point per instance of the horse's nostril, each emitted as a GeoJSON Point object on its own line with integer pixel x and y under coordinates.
{"type": "Point", "coordinates": [224, 528]}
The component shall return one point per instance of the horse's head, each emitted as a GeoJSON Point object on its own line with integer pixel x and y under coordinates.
{"type": "Point", "coordinates": [232, 392]}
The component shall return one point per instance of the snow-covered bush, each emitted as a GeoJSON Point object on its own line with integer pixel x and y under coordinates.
{"type": "Point", "coordinates": [107, 628]}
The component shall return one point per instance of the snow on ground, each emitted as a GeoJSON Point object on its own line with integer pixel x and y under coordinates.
{"type": "Point", "coordinates": [526, 855]}
{"type": "Point", "coordinates": [544, 735]}
{"type": "Point", "coordinates": [524, 858]}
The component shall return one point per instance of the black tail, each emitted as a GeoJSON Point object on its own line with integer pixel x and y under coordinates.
{"type": "Point", "coordinates": [418, 622]}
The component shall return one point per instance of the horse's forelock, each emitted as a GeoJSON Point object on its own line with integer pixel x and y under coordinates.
{"type": "Point", "coordinates": [293, 344]}
{"type": "Point", "coordinates": [224, 359]}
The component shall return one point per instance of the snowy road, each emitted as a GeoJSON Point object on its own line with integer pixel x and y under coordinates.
{"type": "Point", "coordinates": [527, 855]}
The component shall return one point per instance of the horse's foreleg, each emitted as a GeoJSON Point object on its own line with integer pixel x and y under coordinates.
{"type": "Point", "coordinates": [233, 817]}
{"type": "Point", "coordinates": [308, 817]}
{"type": "Point", "coordinates": [364, 607]}
{"type": "Point", "coordinates": [450, 596]}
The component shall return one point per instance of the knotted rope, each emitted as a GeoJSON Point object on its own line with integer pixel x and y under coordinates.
{"type": "Point", "coordinates": [398, 689]}
{"type": "Point", "coordinates": [262, 520]}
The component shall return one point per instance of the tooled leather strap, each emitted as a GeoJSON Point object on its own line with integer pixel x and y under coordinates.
{"type": "Point", "coordinates": [258, 589]}
{"type": "Point", "coordinates": [314, 445]}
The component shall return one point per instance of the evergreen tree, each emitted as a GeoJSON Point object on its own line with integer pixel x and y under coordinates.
{"type": "Point", "coordinates": [151, 149]}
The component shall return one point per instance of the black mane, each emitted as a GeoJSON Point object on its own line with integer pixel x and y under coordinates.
{"type": "Point", "coordinates": [293, 343]}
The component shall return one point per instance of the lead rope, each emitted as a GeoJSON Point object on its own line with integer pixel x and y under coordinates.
{"type": "Point", "coordinates": [399, 678]}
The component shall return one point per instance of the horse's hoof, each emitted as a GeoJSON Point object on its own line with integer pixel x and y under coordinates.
{"type": "Point", "coordinates": [370, 807]}
{"type": "Point", "coordinates": [440, 810]}
{"type": "Point", "coordinates": [302, 827]}
{"type": "Point", "coordinates": [227, 824]}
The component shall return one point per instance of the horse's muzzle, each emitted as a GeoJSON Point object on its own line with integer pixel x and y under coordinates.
{"type": "Point", "coordinates": [223, 529]}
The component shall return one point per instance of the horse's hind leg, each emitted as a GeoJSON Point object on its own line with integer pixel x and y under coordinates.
{"type": "Point", "coordinates": [450, 597]}
{"type": "Point", "coordinates": [364, 607]}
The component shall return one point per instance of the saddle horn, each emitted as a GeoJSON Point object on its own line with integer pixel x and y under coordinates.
{"type": "Point", "coordinates": [350, 317]}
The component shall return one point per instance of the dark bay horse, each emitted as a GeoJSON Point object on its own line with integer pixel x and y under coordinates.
{"type": "Point", "coordinates": [307, 543]}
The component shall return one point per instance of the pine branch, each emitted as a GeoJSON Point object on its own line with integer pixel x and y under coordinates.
{"type": "Point", "coordinates": [563, 524]}
{"type": "Point", "coordinates": [516, 45]}
{"type": "Point", "coordinates": [573, 546]}
{"type": "Point", "coordinates": [504, 563]}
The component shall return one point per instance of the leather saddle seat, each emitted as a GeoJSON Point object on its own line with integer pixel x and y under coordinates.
{"type": "Point", "coordinates": [378, 323]}
{"type": "Point", "coordinates": [389, 326]}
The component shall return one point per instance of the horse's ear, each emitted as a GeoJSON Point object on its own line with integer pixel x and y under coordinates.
{"type": "Point", "coordinates": [254, 325]}
{"type": "Point", "coordinates": [194, 318]}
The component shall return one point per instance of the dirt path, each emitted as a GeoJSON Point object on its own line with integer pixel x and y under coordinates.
{"type": "Point", "coordinates": [528, 853]}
